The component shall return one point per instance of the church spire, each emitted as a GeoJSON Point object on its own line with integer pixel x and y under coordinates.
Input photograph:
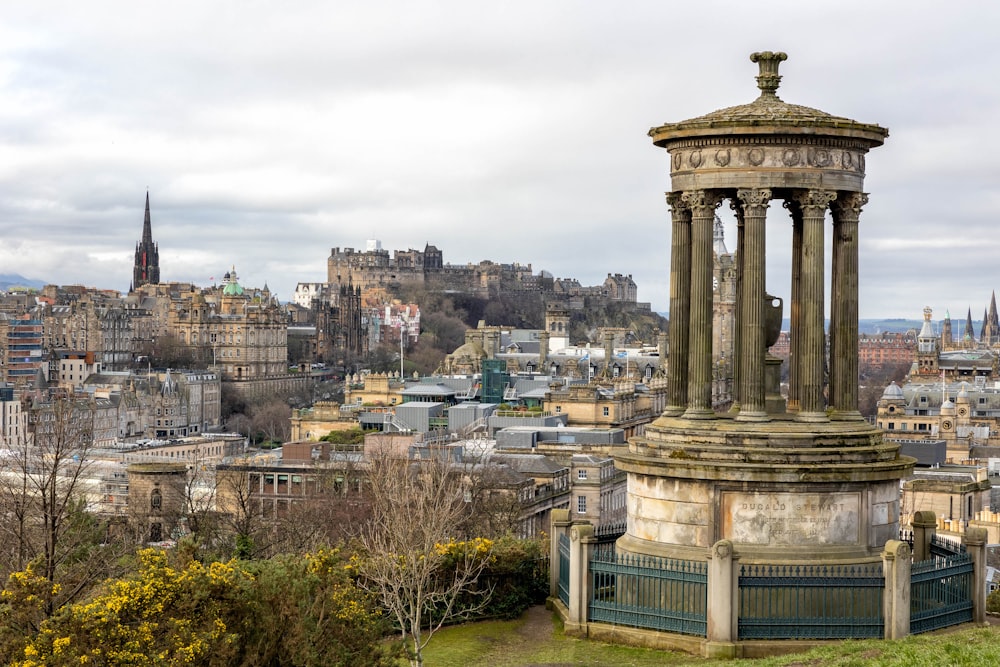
{"type": "Point", "coordinates": [993, 322]}
{"type": "Point", "coordinates": [147, 226]}
{"type": "Point", "coordinates": [969, 335]}
{"type": "Point", "coordinates": [146, 269]}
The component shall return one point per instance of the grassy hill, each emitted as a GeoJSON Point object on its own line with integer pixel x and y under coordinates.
{"type": "Point", "coordinates": [537, 639]}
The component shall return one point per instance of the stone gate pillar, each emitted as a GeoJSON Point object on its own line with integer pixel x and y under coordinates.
{"type": "Point", "coordinates": [582, 540]}
{"type": "Point", "coordinates": [723, 601]}
{"type": "Point", "coordinates": [975, 545]}
{"type": "Point", "coordinates": [896, 598]}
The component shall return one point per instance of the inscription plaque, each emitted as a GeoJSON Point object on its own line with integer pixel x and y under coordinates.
{"type": "Point", "coordinates": [792, 519]}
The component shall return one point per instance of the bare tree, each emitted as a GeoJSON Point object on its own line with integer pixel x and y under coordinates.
{"type": "Point", "coordinates": [421, 576]}
{"type": "Point", "coordinates": [44, 496]}
{"type": "Point", "coordinates": [242, 509]}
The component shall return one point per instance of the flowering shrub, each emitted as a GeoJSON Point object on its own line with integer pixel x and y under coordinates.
{"type": "Point", "coordinates": [302, 609]}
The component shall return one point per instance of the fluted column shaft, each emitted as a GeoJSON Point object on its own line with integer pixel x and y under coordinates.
{"type": "Point", "coordinates": [795, 311]}
{"type": "Point", "coordinates": [812, 339]}
{"type": "Point", "coordinates": [844, 306]}
{"type": "Point", "coordinates": [740, 252]}
{"type": "Point", "coordinates": [750, 322]}
{"type": "Point", "coordinates": [680, 305]}
{"type": "Point", "coordinates": [702, 204]}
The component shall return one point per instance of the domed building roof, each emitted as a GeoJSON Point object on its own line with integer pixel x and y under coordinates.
{"type": "Point", "coordinates": [233, 287]}
{"type": "Point", "coordinates": [893, 393]}
{"type": "Point", "coordinates": [471, 348]}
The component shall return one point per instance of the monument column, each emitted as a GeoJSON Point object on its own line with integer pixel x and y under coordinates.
{"type": "Point", "coordinates": [699, 393]}
{"type": "Point", "coordinates": [750, 322]}
{"type": "Point", "coordinates": [740, 252]}
{"type": "Point", "coordinates": [794, 315]}
{"type": "Point", "coordinates": [680, 305]}
{"type": "Point", "coordinates": [844, 306]}
{"type": "Point", "coordinates": [812, 339]}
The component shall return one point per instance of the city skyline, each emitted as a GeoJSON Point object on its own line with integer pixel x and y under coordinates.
{"type": "Point", "coordinates": [267, 135]}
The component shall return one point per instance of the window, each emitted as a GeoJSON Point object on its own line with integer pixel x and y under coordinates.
{"type": "Point", "coordinates": [581, 474]}
{"type": "Point", "coordinates": [558, 408]}
{"type": "Point", "coordinates": [581, 504]}
{"type": "Point", "coordinates": [607, 411]}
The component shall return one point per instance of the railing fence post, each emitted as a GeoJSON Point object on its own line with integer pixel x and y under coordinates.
{"type": "Point", "coordinates": [581, 546]}
{"type": "Point", "coordinates": [924, 529]}
{"type": "Point", "coordinates": [975, 545]}
{"type": "Point", "coordinates": [896, 598]}
{"type": "Point", "coordinates": [723, 601]}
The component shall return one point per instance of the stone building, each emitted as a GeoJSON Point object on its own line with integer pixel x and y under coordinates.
{"type": "Point", "coordinates": [22, 347]}
{"type": "Point", "coordinates": [312, 423]}
{"type": "Point", "coordinates": [156, 499]}
{"type": "Point", "coordinates": [375, 269]}
{"type": "Point", "coordinates": [161, 404]}
{"type": "Point", "coordinates": [878, 350]}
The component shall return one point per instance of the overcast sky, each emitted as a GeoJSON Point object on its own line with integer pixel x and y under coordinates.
{"type": "Point", "coordinates": [268, 133]}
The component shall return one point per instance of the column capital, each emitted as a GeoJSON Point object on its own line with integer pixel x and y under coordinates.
{"type": "Point", "coordinates": [676, 200]}
{"type": "Point", "coordinates": [814, 202]}
{"type": "Point", "coordinates": [754, 196]}
{"type": "Point", "coordinates": [679, 209]}
{"type": "Point", "coordinates": [848, 205]}
{"type": "Point", "coordinates": [702, 199]}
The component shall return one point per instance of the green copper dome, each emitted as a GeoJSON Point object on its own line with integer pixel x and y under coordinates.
{"type": "Point", "coordinates": [232, 287]}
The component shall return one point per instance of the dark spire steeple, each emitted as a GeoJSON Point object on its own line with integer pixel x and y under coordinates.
{"type": "Point", "coordinates": [147, 227]}
{"type": "Point", "coordinates": [992, 323]}
{"type": "Point", "coordinates": [146, 269]}
{"type": "Point", "coordinates": [969, 335]}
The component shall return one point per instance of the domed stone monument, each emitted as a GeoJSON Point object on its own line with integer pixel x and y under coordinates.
{"type": "Point", "coordinates": [808, 482]}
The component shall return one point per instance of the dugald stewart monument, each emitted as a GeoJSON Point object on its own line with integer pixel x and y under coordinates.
{"type": "Point", "coordinates": [804, 480]}
{"type": "Point", "coordinates": [780, 517]}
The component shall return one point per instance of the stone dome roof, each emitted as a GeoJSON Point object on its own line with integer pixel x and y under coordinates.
{"type": "Point", "coordinates": [769, 114]}
{"type": "Point", "coordinates": [471, 349]}
{"type": "Point", "coordinates": [893, 393]}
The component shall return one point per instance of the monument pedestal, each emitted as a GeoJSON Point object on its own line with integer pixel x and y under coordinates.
{"type": "Point", "coordinates": [781, 491]}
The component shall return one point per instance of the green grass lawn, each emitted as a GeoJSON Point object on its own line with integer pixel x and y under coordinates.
{"type": "Point", "coordinates": [515, 644]}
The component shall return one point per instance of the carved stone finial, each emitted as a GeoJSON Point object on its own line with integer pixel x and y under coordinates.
{"type": "Point", "coordinates": [768, 80]}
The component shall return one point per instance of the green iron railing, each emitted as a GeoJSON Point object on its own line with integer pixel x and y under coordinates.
{"type": "Point", "coordinates": [811, 601]}
{"type": "Point", "coordinates": [648, 592]}
{"type": "Point", "coordinates": [941, 592]}
{"type": "Point", "coordinates": [564, 569]}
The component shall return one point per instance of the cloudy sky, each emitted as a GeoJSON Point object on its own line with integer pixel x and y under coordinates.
{"type": "Point", "coordinates": [269, 132]}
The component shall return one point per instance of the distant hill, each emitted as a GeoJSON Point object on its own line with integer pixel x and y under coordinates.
{"type": "Point", "coordinates": [8, 280]}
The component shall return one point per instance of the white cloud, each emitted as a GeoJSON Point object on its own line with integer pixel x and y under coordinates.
{"type": "Point", "coordinates": [270, 132]}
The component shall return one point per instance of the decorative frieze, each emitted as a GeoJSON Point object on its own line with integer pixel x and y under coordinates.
{"type": "Point", "coordinates": [789, 155]}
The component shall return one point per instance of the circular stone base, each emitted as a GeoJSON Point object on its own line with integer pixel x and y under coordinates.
{"type": "Point", "coordinates": [781, 491]}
